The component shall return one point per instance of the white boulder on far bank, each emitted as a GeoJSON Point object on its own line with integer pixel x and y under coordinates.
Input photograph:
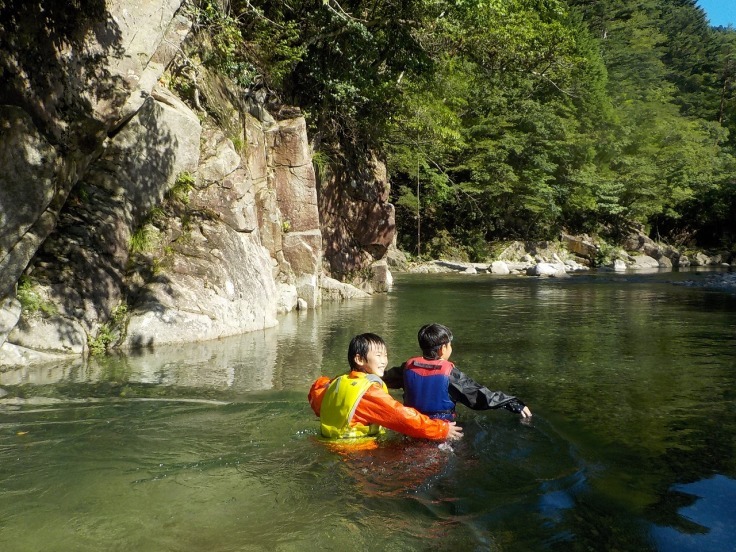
{"type": "Point", "coordinates": [574, 254]}
{"type": "Point", "coordinates": [619, 265]}
{"type": "Point", "coordinates": [334, 290]}
{"type": "Point", "coordinates": [547, 269]}
{"type": "Point", "coordinates": [645, 262]}
{"type": "Point", "coordinates": [500, 267]}
{"type": "Point", "coordinates": [526, 267]}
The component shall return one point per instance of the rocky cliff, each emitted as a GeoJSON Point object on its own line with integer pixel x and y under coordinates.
{"type": "Point", "coordinates": [129, 218]}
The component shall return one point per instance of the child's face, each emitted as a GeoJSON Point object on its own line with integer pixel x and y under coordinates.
{"type": "Point", "coordinates": [375, 361]}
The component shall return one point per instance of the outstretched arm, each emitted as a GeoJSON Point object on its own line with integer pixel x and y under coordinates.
{"type": "Point", "coordinates": [378, 407]}
{"type": "Point", "coordinates": [467, 391]}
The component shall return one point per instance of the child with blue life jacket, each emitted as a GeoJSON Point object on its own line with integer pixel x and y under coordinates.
{"type": "Point", "coordinates": [433, 385]}
{"type": "Point", "coordinates": [357, 404]}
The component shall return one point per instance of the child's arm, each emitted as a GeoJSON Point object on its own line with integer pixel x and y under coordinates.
{"type": "Point", "coordinates": [378, 407]}
{"type": "Point", "coordinates": [394, 377]}
{"type": "Point", "coordinates": [317, 393]}
{"type": "Point", "coordinates": [467, 391]}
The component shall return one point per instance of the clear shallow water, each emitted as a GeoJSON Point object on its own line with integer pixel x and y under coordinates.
{"type": "Point", "coordinates": [213, 446]}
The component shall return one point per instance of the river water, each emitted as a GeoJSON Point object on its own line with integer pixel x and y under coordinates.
{"type": "Point", "coordinates": [631, 379]}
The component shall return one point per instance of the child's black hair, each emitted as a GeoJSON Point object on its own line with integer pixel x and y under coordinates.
{"type": "Point", "coordinates": [360, 345]}
{"type": "Point", "coordinates": [431, 338]}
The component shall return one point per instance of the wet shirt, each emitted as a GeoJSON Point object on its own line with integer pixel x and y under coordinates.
{"type": "Point", "coordinates": [463, 389]}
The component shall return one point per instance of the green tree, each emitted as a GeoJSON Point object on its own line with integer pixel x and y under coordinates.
{"type": "Point", "coordinates": [505, 118]}
{"type": "Point", "coordinates": [527, 84]}
{"type": "Point", "coordinates": [341, 62]}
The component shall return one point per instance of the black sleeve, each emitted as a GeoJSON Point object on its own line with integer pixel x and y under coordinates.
{"type": "Point", "coordinates": [472, 394]}
{"type": "Point", "coordinates": [394, 377]}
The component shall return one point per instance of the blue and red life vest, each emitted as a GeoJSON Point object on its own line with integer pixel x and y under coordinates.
{"type": "Point", "coordinates": [426, 387]}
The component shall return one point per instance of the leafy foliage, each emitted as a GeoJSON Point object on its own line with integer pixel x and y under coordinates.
{"type": "Point", "coordinates": [563, 128]}
{"type": "Point", "coordinates": [31, 300]}
{"type": "Point", "coordinates": [508, 118]}
{"type": "Point", "coordinates": [225, 52]}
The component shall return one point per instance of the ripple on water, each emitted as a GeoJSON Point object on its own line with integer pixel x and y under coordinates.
{"type": "Point", "coordinates": [631, 384]}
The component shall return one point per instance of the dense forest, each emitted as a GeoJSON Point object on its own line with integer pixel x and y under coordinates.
{"type": "Point", "coordinates": [505, 119]}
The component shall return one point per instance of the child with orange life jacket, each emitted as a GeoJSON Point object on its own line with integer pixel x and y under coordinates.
{"type": "Point", "coordinates": [433, 385]}
{"type": "Point", "coordinates": [357, 404]}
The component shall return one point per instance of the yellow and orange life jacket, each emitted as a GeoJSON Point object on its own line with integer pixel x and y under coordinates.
{"type": "Point", "coordinates": [339, 403]}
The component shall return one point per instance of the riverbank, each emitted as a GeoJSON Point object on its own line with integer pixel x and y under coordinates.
{"type": "Point", "coordinates": [574, 254]}
{"type": "Point", "coordinates": [719, 281]}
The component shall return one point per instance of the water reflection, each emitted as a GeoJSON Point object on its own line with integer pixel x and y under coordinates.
{"type": "Point", "coordinates": [254, 361]}
{"type": "Point", "coordinates": [631, 381]}
{"type": "Point", "coordinates": [708, 517]}
{"type": "Point", "coordinates": [290, 356]}
{"type": "Point", "coordinates": [397, 466]}
{"type": "Point", "coordinates": [477, 489]}
{"type": "Point", "coordinates": [558, 496]}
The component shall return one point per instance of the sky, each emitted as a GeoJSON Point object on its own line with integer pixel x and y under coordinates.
{"type": "Point", "coordinates": [720, 12]}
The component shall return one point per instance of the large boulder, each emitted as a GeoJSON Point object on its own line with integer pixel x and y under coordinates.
{"type": "Point", "coordinates": [499, 267]}
{"type": "Point", "coordinates": [27, 192]}
{"type": "Point", "coordinates": [358, 223]}
{"type": "Point", "coordinates": [70, 91]}
{"type": "Point", "coordinates": [641, 244]}
{"type": "Point", "coordinates": [335, 290]}
{"type": "Point", "coordinates": [54, 334]}
{"type": "Point", "coordinates": [644, 262]}
{"type": "Point", "coordinates": [581, 246]}
{"type": "Point", "coordinates": [396, 259]}
{"type": "Point", "coordinates": [219, 284]}
{"type": "Point", "coordinates": [547, 269]}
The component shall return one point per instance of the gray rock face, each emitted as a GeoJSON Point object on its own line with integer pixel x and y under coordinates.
{"type": "Point", "coordinates": [70, 94]}
{"type": "Point", "coordinates": [138, 224]}
{"type": "Point", "coordinates": [295, 188]}
{"type": "Point", "coordinates": [9, 316]}
{"type": "Point", "coordinates": [94, 232]}
{"type": "Point", "coordinates": [205, 294]}
{"type": "Point", "coordinates": [27, 191]}
{"type": "Point", "coordinates": [358, 224]}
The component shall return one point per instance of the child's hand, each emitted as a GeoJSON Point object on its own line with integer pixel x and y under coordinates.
{"type": "Point", "coordinates": [455, 433]}
{"type": "Point", "coordinates": [525, 412]}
